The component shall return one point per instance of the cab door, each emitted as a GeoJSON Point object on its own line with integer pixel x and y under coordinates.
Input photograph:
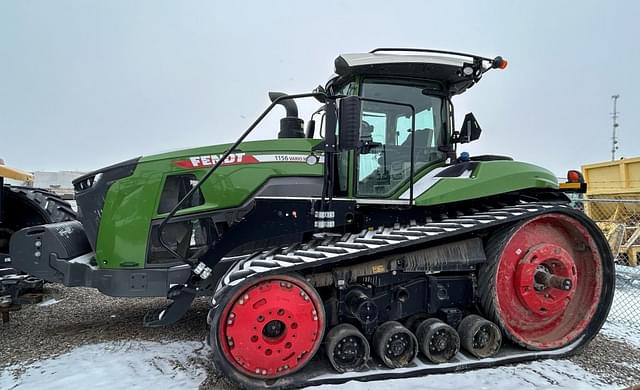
{"type": "Point", "coordinates": [401, 130]}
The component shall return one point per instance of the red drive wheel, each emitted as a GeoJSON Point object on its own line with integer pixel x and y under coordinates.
{"type": "Point", "coordinates": [272, 328]}
{"type": "Point", "coordinates": [543, 281]}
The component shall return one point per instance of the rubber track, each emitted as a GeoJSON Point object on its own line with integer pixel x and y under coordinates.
{"type": "Point", "coordinates": [487, 280]}
{"type": "Point", "coordinates": [331, 248]}
{"type": "Point", "coordinates": [499, 221]}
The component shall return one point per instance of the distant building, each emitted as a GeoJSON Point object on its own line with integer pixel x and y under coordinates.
{"type": "Point", "coordinates": [58, 182]}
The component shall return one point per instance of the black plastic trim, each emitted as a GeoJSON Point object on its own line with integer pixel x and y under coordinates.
{"type": "Point", "coordinates": [91, 192]}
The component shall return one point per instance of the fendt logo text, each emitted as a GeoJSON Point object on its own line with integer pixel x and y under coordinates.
{"type": "Point", "coordinates": [237, 159]}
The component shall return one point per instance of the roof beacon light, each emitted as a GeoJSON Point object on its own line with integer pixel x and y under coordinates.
{"type": "Point", "coordinates": [499, 63]}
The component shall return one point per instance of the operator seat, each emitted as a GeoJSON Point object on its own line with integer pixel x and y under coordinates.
{"type": "Point", "coordinates": [402, 152]}
{"type": "Point", "coordinates": [366, 131]}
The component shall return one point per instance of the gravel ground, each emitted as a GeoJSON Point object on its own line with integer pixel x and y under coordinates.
{"type": "Point", "coordinates": [612, 360]}
{"type": "Point", "coordinates": [84, 316]}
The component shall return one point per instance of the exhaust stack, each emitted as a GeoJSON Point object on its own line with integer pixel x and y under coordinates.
{"type": "Point", "coordinates": [291, 126]}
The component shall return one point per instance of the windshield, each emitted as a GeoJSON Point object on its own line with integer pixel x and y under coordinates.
{"type": "Point", "coordinates": [388, 163]}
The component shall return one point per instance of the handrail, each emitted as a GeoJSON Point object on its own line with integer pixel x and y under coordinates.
{"type": "Point", "coordinates": [226, 154]}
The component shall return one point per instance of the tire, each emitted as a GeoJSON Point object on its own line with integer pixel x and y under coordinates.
{"type": "Point", "coordinates": [52, 207]}
{"type": "Point", "coordinates": [539, 316]}
{"type": "Point", "coordinates": [25, 206]}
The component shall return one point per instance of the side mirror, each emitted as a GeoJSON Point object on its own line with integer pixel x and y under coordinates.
{"type": "Point", "coordinates": [310, 131]}
{"type": "Point", "coordinates": [470, 129]}
{"type": "Point", "coordinates": [350, 118]}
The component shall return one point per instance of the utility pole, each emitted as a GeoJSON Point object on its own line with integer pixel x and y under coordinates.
{"type": "Point", "coordinates": [614, 116]}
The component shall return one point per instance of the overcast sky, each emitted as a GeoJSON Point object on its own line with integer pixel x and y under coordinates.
{"type": "Point", "coordinates": [84, 84]}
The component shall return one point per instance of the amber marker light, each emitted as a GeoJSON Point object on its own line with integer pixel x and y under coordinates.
{"type": "Point", "coordinates": [500, 63]}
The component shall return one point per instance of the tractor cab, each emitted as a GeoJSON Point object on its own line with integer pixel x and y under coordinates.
{"type": "Point", "coordinates": [404, 121]}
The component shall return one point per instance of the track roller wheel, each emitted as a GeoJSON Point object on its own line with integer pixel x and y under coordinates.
{"type": "Point", "coordinates": [438, 341]}
{"type": "Point", "coordinates": [271, 327]}
{"type": "Point", "coordinates": [395, 345]}
{"type": "Point", "coordinates": [347, 348]}
{"type": "Point", "coordinates": [548, 281]}
{"type": "Point", "coordinates": [479, 337]}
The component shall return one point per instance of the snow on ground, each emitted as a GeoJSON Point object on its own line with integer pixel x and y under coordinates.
{"type": "Point", "coordinates": [144, 364]}
{"type": "Point", "coordinates": [127, 365]}
{"type": "Point", "coordinates": [622, 332]}
{"type": "Point", "coordinates": [623, 322]}
{"type": "Point", "coordinates": [48, 302]}
{"type": "Point", "coordinates": [544, 374]}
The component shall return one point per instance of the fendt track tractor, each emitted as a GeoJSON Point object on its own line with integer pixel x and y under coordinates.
{"type": "Point", "coordinates": [360, 247]}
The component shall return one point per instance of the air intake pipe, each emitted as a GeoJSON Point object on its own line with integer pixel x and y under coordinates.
{"type": "Point", "coordinates": [291, 126]}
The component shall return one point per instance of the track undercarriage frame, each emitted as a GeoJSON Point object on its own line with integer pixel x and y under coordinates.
{"type": "Point", "coordinates": [365, 283]}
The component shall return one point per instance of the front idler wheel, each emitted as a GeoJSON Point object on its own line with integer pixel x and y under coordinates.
{"type": "Point", "coordinates": [272, 327]}
{"type": "Point", "coordinates": [438, 341]}
{"type": "Point", "coordinates": [479, 337]}
{"type": "Point", "coordinates": [346, 348]}
{"type": "Point", "coordinates": [395, 345]}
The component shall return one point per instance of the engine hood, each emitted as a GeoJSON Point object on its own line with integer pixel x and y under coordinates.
{"type": "Point", "coordinates": [245, 153]}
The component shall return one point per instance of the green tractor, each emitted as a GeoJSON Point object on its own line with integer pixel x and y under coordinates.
{"type": "Point", "coordinates": [359, 247]}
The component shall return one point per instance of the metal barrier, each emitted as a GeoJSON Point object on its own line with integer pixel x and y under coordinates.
{"type": "Point", "coordinates": [619, 220]}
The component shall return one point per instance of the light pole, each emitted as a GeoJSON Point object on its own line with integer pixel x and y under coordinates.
{"type": "Point", "coordinates": [614, 116]}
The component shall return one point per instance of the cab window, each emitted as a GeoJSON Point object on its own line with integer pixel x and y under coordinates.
{"type": "Point", "coordinates": [386, 164]}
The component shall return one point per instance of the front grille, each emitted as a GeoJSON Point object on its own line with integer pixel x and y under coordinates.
{"type": "Point", "coordinates": [84, 183]}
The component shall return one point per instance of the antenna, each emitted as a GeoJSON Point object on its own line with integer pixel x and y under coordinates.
{"type": "Point", "coordinates": [614, 116]}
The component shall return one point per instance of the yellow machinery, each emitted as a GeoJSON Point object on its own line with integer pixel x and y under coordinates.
{"type": "Point", "coordinates": [613, 200]}
{"type": "Point", "coordinates": [13, 173]}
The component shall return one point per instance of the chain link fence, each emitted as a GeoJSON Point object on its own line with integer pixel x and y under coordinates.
{"type": "Point", "coordinates": [619, 220]}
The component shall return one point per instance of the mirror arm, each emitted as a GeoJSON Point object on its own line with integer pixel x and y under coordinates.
{"type": "Point", "coordinates": [449, 150]}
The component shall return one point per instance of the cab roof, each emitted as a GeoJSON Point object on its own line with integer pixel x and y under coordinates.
{"type": "Point", "coordinates": [428, 64]}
